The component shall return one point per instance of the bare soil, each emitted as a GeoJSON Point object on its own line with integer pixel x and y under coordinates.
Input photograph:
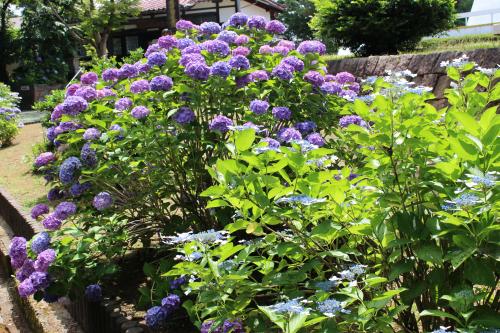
{"type": "Point", "coordinates": [15, 167]}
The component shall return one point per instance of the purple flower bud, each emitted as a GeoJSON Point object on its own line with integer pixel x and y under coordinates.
{"type": "Point", "coordinates": [93, 292]}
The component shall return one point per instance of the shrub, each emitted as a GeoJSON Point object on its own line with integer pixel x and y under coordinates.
{"type": "Point", "coordinates": [8, 115]}
{"type": "Point", "coordinates": [404, 233]}
{"type": "Point", "coordinates": [381, 27]}
{"type": "Point", "coordinates": [132, 145]}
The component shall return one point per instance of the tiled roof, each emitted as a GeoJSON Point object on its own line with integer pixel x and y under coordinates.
{"type": "Point", "coordinates": [158, 5]}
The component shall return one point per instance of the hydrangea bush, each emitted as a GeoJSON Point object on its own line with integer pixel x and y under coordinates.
{"type": "Point", "coordinates": [404, 233]}
{"type": "Point", "coordinates": [131, 145]}
{"type": "Point", "coordinates": [9, 111]}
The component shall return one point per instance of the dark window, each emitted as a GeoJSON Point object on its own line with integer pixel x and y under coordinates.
{"type": "Point", "coordinates": [201, 17]}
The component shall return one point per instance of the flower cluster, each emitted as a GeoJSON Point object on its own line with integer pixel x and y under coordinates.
{"type": "Point", "coordinates": [157, 315]}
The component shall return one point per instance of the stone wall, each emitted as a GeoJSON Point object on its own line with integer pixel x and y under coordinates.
{"type": "Point", "coordinates": [426, 66]}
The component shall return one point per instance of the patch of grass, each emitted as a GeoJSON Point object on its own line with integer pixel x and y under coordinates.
{"type": "Point", "coordinates": [463, 43]}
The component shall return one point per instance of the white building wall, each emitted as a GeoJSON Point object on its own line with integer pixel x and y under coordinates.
{"type": "Point", "coordinates": [225, 13]}
{"type": "Point", "coordinates": [480, 5]}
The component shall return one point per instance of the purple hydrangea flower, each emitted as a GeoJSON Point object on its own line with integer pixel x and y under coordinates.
{"type": "Point", "coordinates": [210, 28]}
{"type": "Point", "coordinates": [123, 104]}
{"type": "Point", "coordinates": [351, 120]}
{"type": "Point", "coordinates": [143, 67]}
{"type": "Point", "coordinates": [221, 124]}
{"type": "Point", "coordinates": [259, 75]}
{"type": "Point", "coordinates": [228, 36]}
{"type": "Point", "coordinates": [26, 270]}
{"type": "Point", "coordinates": [184, 116]}
{"type": "Point", "coordinates": [206, 327]}
{"type": "Point", "coordinates": [216, 46]}
{"type": "Point", "coordinates": [239, 62]}
{"type": "Point", "coordinates": [316, 139]}
{"type": "Point", "coordinates": [354, 86]}
{"type": "Point", "coordinates": [266, 49]}
{"type": "Point", "coordinates": [233, 326]}
{"type": "Point", "coordinates": [259, 107]}
{"type": "Point", "coordinates": [295, 62]}
{"type": "Point", "coordinates": [257, 22]}
{"type": "Point", "coordinates": [51, 135]}
{"type": "Point", "coordinates": [184, 42]}
{"type": "Point", "coordinates": [275, 27]}
{"type": "Point", "coordinates": [238, 19]}
{"type": "Point", "coordinates": [140, 112]}
{"type": "Point", "coordinates": [311, 46]}
{"type": "Point", "coordinates": [161, 83]}
{"type": "Point", "coordinates": [88, 155]}
{"type": "Point", "coordinates": [283, 72]}
{"type": "Point", "coordinates": [306, 126]}
{"type": "Point", "coordinates": [128, 71]}
{"type": "Point", "coordinates": [40, 280]}
{"type": "Point", "coordinates": [193, 49]}
{"type": "Point", "coordinates": [197, 70]}
{"type": "Point", "coordinates": [93, 292]}
{"type": "Point", "coordinates": [26, 288]}
{"type": "Point", "coordinates": [152, 48]}
{"type": "Point", "coordinates": [157, 59]}
{"type": "Point", "coordinates": [139, 86]}
{"type": "Point", "coordinates": [289, 134]}
{"type": "Point", "coordinates": [51, 222]}
{"type": "Point", "coordinates": [55, 194]}
{"type": "Point", "coordinates": [73, 105]}
{"type": "Point", "coordinates": [40, 242]}
{"type": "Point", "coordinates": [184, 25]}
{"type": "Point", "coordinates": [66, 126]}
{"type": "Point", "coordinates": [91, 133]}
{"type": "Point", "coordinates": [71, 89]}
{"type": "Point", "coordinates": [315, 78]}
{"type": "Point", "coordinates": [349, 95]}
{"type": "Point", "coordinates": [69, 169]}
{"type": "Point", "coordinates": [105, 92]}
{"type": "Point", "coordinates": [287, 44]}
{"type": "Point", "coordinates": [186, 59]}
{"type": "Point", "coordinates": [44, 260]}
{"type": "Point", "coordinates": [87, 93]}
{"type": "Point", "coordinates": [44, 159]}
{"type": "Point", "coordinates": [78, 189]}
{"type": "Point", "coordinates": [281, 113]}
{"type": "Point", "coordinates": [89, 78]}
{"type": "Point", "coordinates": [102, 201]}
{"type": "Point", "coordinates": [110, 74]}
{"type": "Point", "coordinates": [331, 87]}
{"type": "Point", "coordinates": [241, 51]}
{"type": "Point", "coordinates": [64, 210]}
{"type": "Point", "coordinates": [271, 143]}
{"type": "Point", "coordinates": [329, 77]}
{"type": "Point", "coordinates": [220, 68]}
{"type": "Point", "coordinates": [171, 303]}
{"type": "Point", "coordinates": [38, 210]}
{"type": "Point", "coordinates": [57, 113]}
{"type": "Point", "coordinates": [243, 80]}
{"type": "Point", "coordinates": [155, 317]}
{"type": "Point", "coordinates": [177, 283]}
{"type": "Point", "coordinates": [344, 77]}
{"type": "Point", "coordinates": [17, 252]}
{"type": "Point", "coordinates": [242, 39]}
{"type": "Point", "coordinates": [167, 42]}
{"type": "Point", "coordinates": [281, 50]}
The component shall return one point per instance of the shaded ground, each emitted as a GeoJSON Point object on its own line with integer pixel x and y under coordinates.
{"type": "Point", "coordinates": [15, 167]}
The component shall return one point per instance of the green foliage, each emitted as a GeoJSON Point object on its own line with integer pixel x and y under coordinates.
{"type": "Point", "coordinates": [297, 16]}
{"type": "Point", "coordinates": [411, 193]}
{"type": "Point", "coordinates": [380, 27]}
{"type": "Point", "coordinates": [46, 47]}
{"type": "Point", "coordinates": [8, 115]}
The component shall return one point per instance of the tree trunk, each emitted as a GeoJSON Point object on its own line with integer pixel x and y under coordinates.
{"type": "Point", "coordinates": [172, 16]}
{"type": "Point", "coordinates": [102, 45]}
{"type": "Point", "coordinates": [4, 76]}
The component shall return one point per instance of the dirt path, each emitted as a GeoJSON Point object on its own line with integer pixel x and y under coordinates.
{"type": "Point", "coordinates": [15, 173]}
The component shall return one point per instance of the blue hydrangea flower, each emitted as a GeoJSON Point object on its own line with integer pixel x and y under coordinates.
{"type": "Point", "coordinates": [331, 307]}
{"type": "Point", "coordinates": [157, 59]}
{"type": "Point", "coordinates": [291, 306]}
{"type": "Point", "coordinates": [220, 68]}
{"type": "Point", "coordinates": [283, 72]}
{"type": "Point", "coordinates": [302, 199]}
{"type": "Point", "coordinates": [259, 107]}
{"type": "Point", "coordinates": [40, 242]}
{"type": "Point", "coordinates": [156, 317]}
{"type": "Point", "coordinates": [486, 180]}
{"type": "Point", "coordinates": [197, 70]}
{"type": "Point", "coordinates": [210, 28]}
{"type": "Point", "coordinates": [216, 46]}
{"type": "Point", "coordinates": [88, 155]}
{"type": "Point", "coordinates": [239, 62]}
{"type": "Point", "coordinates": [184, 116]}
{"type": "Point", "coordinates": [69, 169]}
{"type": "Point", "coordinates": [170, 303]}
{"type": "Point", "coordinates": [93, 292]}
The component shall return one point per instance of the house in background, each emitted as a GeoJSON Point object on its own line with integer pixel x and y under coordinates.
{"type": "Point", "coordinates": [141, 30]}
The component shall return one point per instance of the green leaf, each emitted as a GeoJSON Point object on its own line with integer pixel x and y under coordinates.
{"type": "Point", "coordinates": [217, 203]}
{"type": "Point", "coordinates": [429, 252]}
{"type": "Point", "coordinates": [468, 122]}
{"type": "Point", "coordinates": [244, 139]}
{"type": "Point", "coordinates": [439, 313]}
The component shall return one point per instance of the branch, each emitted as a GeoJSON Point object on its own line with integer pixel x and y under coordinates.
{"type": "Point", "coordinates": [70, 29]}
